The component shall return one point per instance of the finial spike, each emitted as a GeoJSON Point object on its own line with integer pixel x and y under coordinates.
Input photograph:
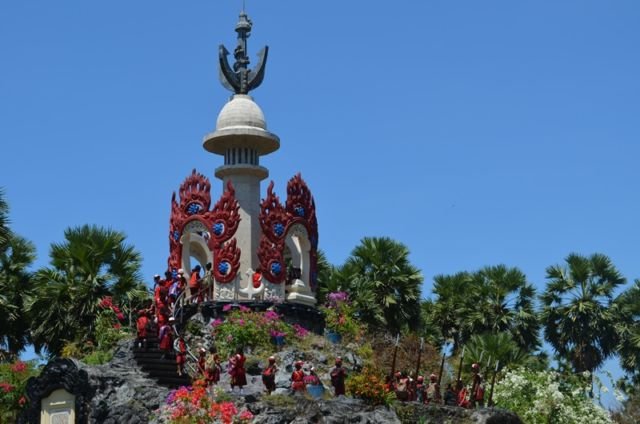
{"type": "Point", "coordinates": [241, 79]}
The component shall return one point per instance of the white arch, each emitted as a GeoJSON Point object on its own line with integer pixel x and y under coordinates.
{"type": "Point", "coordinates": [297, 240]}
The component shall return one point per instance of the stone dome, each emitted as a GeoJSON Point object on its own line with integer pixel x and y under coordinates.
{"type": "Point", "coordinates": [241, 111]}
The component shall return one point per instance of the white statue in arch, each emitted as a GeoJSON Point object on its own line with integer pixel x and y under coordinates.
{"type": "Point", "coordinates": [299, 246]}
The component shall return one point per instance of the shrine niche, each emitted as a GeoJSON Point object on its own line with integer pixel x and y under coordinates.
{"type": "Point", "coordinates": [289, 243]}
{"type": "Point", "coordinates": [207, 235]}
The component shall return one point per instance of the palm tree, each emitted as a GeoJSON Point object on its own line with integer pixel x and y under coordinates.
{"type": "Point", "coordinates": [578, 310]}
{"type": "Point", "coordinates": [4, 222]}
{"type": "Point", "coordinates": [452, 305]}
{"type": "Point", "coordinates": [628, 330]}
{"type": "Point", "coordinates": [497, 349]}
{"type": "Point", "coordinates": [502, 300]}
{"type": "Point", "coordinates": [380, 266]}
{"type": "Point", "coordinates": [91, 264]}
{"type": "Point", "coordinates": [15, 289]}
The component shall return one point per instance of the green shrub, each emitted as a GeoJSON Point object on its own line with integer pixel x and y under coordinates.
{"type": "Point", "coordinates": [98, 357]}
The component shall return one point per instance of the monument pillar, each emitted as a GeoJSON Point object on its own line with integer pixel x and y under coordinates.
{"type": "Point", "coordinates": [241, 136]}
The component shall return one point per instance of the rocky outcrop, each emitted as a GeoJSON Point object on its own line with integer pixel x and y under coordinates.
{"type": "Point", "coordinates": [332, 411]}
{"type": "Point", "coordinates": [412, 412]}
{"type": "Point", "coordinates": [117, 392]}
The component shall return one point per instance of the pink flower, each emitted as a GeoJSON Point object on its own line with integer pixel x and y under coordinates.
{"type": "Point", "coordinates": [229, 338]}
{"type": "Point", "coordinates": [216, 322]}
{"type": "Point", "coordinates": [120, 316]}
{"type": "Point", "coordinates": [271, 316]}
{"type": "Point", "coordinates": [276, 333]}
{"type": "Point", "coordinates": [227, 307]}
{"type": "Point", "coordinates": [300, 330]}
{"type": "Point", "coordinates": [240, 322]}
{"type": "Point", "coordinates": [246, 415]}
{"type": "Point", "coordinates": [244, 309]}
{"type": "Point", "coordinates": [22, 401]}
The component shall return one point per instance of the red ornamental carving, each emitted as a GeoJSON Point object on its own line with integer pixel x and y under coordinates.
{"type": "Point", "coordinates": [226, 262]}
{"type": "Point", "coordinates": [276, 220]}
{"type": "Point", "coordinates": [224, 217]}
{"type": "Point", "coordinates": [221, 222]}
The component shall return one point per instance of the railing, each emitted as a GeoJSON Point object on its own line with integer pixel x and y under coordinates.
{"type": "Point", "coordinates": [178, 312]}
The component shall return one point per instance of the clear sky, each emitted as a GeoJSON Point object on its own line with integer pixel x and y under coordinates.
{"type": "Point", "coordinates": [475, 132]}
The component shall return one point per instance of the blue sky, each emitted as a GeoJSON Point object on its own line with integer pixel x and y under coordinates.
{"type": "Point", "coordinates": [476, 133]}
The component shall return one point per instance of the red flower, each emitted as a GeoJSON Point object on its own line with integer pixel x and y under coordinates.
{"type": "Point", "coordinates": [22, 401]}
{"type": "Point", "coordinates": [120, 316]}
{"type": "Point", "coordinates": [6, 387]}
{"type": "Point", "coordinates": [106, 302]}
{"type": "Point", "coordinates": [18, 367]}
{"type": "Point", "coordinates": [117, 326]}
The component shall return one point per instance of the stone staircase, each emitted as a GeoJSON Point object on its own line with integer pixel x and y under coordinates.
{"type": "Point", "coordinates": [163, 370]}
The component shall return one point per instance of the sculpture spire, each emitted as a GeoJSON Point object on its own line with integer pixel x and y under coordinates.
{"type": "Point", "coordinates": [240, 79]}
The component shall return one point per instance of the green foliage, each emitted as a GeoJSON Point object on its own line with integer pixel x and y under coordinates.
{"type": "Point", "coordinates": [109, 330]}
{"type": "Point", "coordinates": [629, 412]}
{"type": "Point", "coordinates": [73, 350]}
{"type": "Point", "coordinates": [193, 328]}
{"type": "Point", "coordinates": [15, 288]}
{"type": "Point", "coordinates": [13, 381]}
{"type": "Point", "coordinates": [628, 330]}
{"type": "Point", "coordinates": [494, 299]}
{"type": "Point", "coordinates": [98, 357]}
{"type": "Point", "coordinates": [279, 401]}
{"type": "Point", "coordinates": [92, 264]}
{"type": "Point", "coordinates": [4, 221]}
{"type": "Point", "coordinates": [339, 317]}
{"type": "Point", "coordinates": [497, 347]}
{"type": "Point", "coordinates": [383, 284]}
{"type": "Point", "coordinates": [579, 313]}
{"type": "Point", "coordinates": [546, 397]}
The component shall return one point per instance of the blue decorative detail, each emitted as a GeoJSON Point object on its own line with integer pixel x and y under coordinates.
{"type": "Point", "coordinates": [299, 210]}
{"type": "Point", "coordinates": [218, 228]}
{"type": "Point", "coordinates": [193, 208]}
{"type": "Point", "coordinates": [278, 229]}
{"type": "Point", "coordinates": [176, 235]}
{"type": "Point", "coordinates": [223, 267]}
{"type": "Point", "coordinates": [276, 268]}
{"type": "Point", "coordinates": [174, 273]}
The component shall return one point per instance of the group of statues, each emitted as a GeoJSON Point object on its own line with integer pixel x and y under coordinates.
{"type": "Point", "coordinates": [408, 389]}
{"type": "Point", "coordinates": [210, 368]}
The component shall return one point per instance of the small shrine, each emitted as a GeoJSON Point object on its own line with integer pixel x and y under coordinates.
{"type": "Point", "coordinates": [259, 250]}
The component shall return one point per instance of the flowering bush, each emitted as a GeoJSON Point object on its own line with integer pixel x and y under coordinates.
{"type": "Point", "coordinates": [192, 405]}
{"type": "Point", "coordinates": [243, 327]}
{"type": "Point", "coordinates": [338, 315]}
{"type": "Point", "coordinates": [13, 381]}
{"type": "Point", "coordinates": [369, 386]}
{"type": "Point", "coordinates": [300, 331]}
{"type": "Point", "coordinates": [547, 397]}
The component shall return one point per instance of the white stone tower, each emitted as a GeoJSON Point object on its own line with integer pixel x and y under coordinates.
{"type": "Point", "coordinates": [241, 136]}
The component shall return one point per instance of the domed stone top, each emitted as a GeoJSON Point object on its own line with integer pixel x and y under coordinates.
{"type": "Point", "coordinates": [241, 111]}
{"type": "Point", "coordinates": [241, 124]}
